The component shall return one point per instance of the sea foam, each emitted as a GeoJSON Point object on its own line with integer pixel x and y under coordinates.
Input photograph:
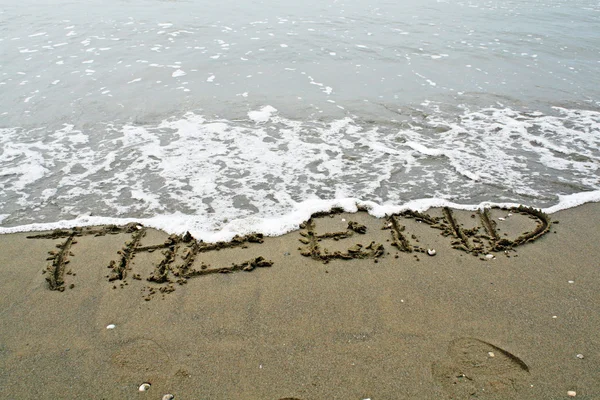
{"type": "Point", "coordinates": [268, 173]}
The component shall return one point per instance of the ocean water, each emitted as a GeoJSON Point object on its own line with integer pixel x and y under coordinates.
{"type": "Point", "coordinates": [231, 117]}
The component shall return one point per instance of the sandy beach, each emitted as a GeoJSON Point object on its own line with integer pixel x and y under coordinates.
{"type": "Point", "coordinates": [347, 307]}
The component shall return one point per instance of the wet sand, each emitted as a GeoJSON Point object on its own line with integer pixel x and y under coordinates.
{"type": "Point", "coordinates": [348, 307]}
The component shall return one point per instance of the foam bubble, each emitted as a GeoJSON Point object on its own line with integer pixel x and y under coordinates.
{"type": "Point", "coordinates": [263, 115]}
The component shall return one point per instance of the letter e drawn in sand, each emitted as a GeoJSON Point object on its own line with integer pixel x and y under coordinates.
{"type": "Point", "coordinates": [180, 259]}
{"type": "Point", "coordinates": [312, 241]}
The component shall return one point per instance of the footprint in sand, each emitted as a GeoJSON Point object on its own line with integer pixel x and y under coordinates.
{"type": "Point", "coordinates": [143, 357]}
{"type": "Point", "coordinates": [477, 369]}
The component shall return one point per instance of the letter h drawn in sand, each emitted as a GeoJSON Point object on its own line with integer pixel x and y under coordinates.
{"type": "Point", "coordinates": [119, 268]}
{"type": "Point", "coordinates": [313, 240]}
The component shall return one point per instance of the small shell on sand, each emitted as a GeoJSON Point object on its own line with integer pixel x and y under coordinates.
{"type": "Point", "coordinates": [571, 393]}
{"type": "Point", "coordinates": [168, 396]}
{"type": "Point", "coordinates": [144, 386]}
{"type": "Point", "coordinates": [580, 356]}
{"type": "Point", "coordinates": [489, 256]}
{"type": "Point", "coordinates": [111, 326]}
{"type": "Point", "coordinates": [431, 252]}
{"type": "Point", "coordinates": [491, 354]}
{"type": "Point", "coordinates": [501, 219]}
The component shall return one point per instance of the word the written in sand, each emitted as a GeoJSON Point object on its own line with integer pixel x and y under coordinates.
{"type": "Point", "coordinates": [177, 266]}
{"type": "Point", "coordinates": [182, 255]}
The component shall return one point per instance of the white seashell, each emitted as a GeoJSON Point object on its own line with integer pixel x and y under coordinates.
{"type": "Point", "coordinates": [501, 219]}
{"type": "Point", "coordinates": [491, 354]}
{"type": "Point", "coordinates": [572, 393]}
{"type": "Point", "coordinates": [168, 397]}
{"type": "Point", "coordinates": [489, 256]}
{"type": "Point", "coordinates": [580, 356]}
{"type": "Point", "coordinates": [111, 326]}
{"type": "Point", "coordinates": [509, 215]}
{"type": "Point", "coordinates": [431, 252]}
{"type": "Point", "coordinates": [571, 281]}
{"type": "Point", "coordinates": [144, 386]}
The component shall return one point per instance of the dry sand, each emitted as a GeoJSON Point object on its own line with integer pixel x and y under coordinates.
{"type": "Point", "coordinates": [453, 325]}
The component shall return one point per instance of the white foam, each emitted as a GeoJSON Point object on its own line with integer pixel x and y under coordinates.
{"type": "Point", "coordinates": [30, 168]}
{"type": "Point", "coordinates": [216, 177]}
{"type": "Point", "coordinates": [279, 225]}
{"type": "Point", "coordinates": [178, 73]}
{"type": "Point", "coordinates": [574, 200]}
{"type": "Point", "coordinates": [425, 150]}
{"type": "Point", "coordinates": [263, 115]}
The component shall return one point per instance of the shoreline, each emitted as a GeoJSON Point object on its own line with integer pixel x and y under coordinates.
{"type": "Point", "coordinates": [281, 225]}
{"type": "Point", "coordinates": [349, 306]}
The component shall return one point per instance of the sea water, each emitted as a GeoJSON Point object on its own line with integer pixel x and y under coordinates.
{"type": "Point", "coordinates": [232, 117]}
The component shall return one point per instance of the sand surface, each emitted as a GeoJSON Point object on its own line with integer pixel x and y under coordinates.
{"type": "Point", "coordinates": [301, 322]}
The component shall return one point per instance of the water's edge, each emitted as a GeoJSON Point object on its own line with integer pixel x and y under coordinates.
{"type": "Point", "coordinates": [280, 225]}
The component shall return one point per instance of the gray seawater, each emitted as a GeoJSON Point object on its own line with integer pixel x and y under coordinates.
{"type": "Point", "coordinates": [224, 110]}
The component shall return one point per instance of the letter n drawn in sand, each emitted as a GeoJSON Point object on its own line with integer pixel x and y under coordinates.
{"type": "Point", "coordinates": [312, 241]}
{"type": "Point", "coordinates": [398, 230]}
